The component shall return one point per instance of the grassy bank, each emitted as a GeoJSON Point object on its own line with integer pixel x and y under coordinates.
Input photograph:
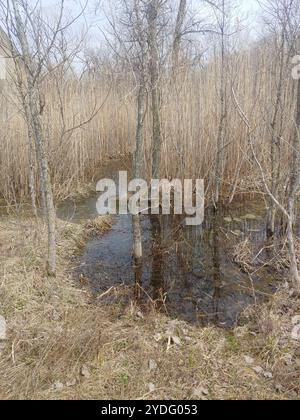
{"type": "Point", "coordinates": [61, 346]}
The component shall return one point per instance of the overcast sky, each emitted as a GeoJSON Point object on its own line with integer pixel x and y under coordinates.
{"type": "Point", "coordinates": [94, 18]}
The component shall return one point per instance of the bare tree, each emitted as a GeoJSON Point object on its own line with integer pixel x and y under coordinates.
{"type": "Point", "coordinates": [181, 15]}
{"type": "Point", "coordinates": [32, 38]}
{"type": "Point", "coordinates": [277, 21]}
{"type": "Point", "coordinates": [221, 13]}
{"type": "Point", "coordinates": [294, 185]}
{"type": "Point", "coordinates": [19, 14]}
{"type": "Point", "coordinates": [141, 105]}
{"type": "Point", "coordinates": [154, 9]}
{"type": "Point", "coordinates": [132, 48]}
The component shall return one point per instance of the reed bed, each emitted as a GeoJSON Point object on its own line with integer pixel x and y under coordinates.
{"type": "Point", "coordinates": [102, 108]}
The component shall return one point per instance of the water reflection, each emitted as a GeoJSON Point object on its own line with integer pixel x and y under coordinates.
{"type": "Point", "coordinates": [216, 270]}
{"type": "Point", "coordinates": [187, 271]}
{"type": "Point", "coordinates": [157, 278]}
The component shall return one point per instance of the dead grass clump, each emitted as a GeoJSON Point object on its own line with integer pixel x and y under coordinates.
{"type": "Point", "coordinates": [98, 226]}
{"type": "Point", "coordinates": [268, 330]}
{"type": "Point", "coordinates": [282, 262]}
{"type": "Point", "coordinates": [243, 255]}
{"type": "Point", "coordinates": [275, 256]}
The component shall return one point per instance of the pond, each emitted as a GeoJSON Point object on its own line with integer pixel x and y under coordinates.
{"type": "Point", "coordinates": [188, 272]}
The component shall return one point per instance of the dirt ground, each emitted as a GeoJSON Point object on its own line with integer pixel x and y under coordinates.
{"type": "Point", "coordinates": [60, 345]}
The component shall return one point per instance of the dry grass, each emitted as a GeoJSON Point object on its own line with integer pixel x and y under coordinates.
{"type": "Point", "coordinates": [61, 346]}
{"type": "Point", "coordinates": [98, 225]}
{"type": "Point", "coordinates": [275, 256]}
{"type": "Point", "coordinates": [190, 118]}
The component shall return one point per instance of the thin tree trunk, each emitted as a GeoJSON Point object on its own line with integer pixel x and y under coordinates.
{"type": "Point", "coordinates": [33, 119]}
{"type": "Point", "coordinates": [138, 160]}
{"type": "Point", "coordinates": [276, 142]}
{"type": "Point", "coordinates": [42, 195]}
{"type": "Point", "coordinates": [294, 186]}
{"type": "Point", "coordinates": [47, 191]}
{"type": "Point", "coordinates": [294, 271]}
{"type": "Point", "coordinates": [155, 92]}
{"type": "Point", "coordinates": [32, 173]}
{"type": "Point", "coordinates": [223, 115]}
{"type": "Point", "coordinates": [178, 34]}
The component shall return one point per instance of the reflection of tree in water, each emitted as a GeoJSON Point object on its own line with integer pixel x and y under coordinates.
{"type": "Point", "coordinates": [170, 261]}
{"type": "Point", "coordinates": [157, 281]}
{"type": "Point", "coordinates": [216, 268]}
{"type": "Point", "coordinates": [183, 257]}
{"type": "Point", "coordinates": [186, 267]}
{"type": "Point", "coordinates": [199, 264]}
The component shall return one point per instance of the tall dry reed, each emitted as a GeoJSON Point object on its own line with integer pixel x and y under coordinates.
{"type": "Point", "coordinates": [190, 109]}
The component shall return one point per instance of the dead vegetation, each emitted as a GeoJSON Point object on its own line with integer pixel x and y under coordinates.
{"type": "Point", "coordinates": [99, 225]}
{"type": "Point", "coordinates": [62, 346]}
{"type": "Point", "coordinates": [77, 158]}
{"type": "Point", "coordinates": [275, 256]}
